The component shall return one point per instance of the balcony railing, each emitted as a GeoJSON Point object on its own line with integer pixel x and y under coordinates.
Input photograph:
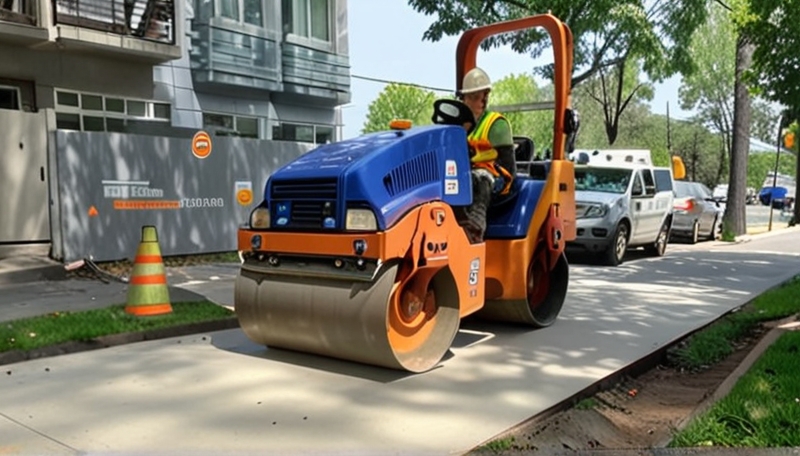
{"type": "Point", "coordinates": [152, 20]}
{"type": "Point", "coordinates": [20, 11]}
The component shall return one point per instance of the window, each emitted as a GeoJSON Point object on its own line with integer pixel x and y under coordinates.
{"type": "Point", "coordinates": [319, 134]}
{"type": "Point", "coordinates": [649, 183]}
{"type": "Point", "coordinates": [115, 105]}
{"type": "Point", "coordinates": [162, 111]}
{"type": "Point", "coordinates": [94, 123]}
{"type": "Point", "coordinates": [93, 112]}
{"type": "Point", "coordinates": [92, 102]}
{"type": "Point", "coordinates": [137, 108]}
{"type": "Point", "coordinates": [323, 135]}
{"type": "Point", "coordinates": [253, 11]}
{"type": "Point", "coordinates": [307, 18]}
{"type": "Point", "coordinates": [9, 98]}
{"type": "Point", "coordinates": [663, 180]}
{"type": "Point", "coordinates": [637, 189]}
{"type": "Point", "coordinates": [230, 125]}
{"type": "Point", "coordinates": [229, 9]}
{"type": "Point", "coordinates": [65, 121]}
{"type": "Point", "coordinates": [67, 99]}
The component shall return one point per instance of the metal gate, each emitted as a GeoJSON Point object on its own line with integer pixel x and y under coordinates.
{"type": "Point", "coordinates": [24, 209]}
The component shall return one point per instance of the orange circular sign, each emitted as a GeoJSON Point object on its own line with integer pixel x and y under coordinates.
{"type": "Point", "coordinates": [201, 144]}
{"type": "Point", "coordinates": [244, 196]}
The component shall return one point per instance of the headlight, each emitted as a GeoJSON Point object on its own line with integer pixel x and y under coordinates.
{"type": "Point", "coordinates": [361, 220]}
{"type": "Point", "coordinates": [596, 211]}
{"type": "Point", "coordinates": [259, 218]}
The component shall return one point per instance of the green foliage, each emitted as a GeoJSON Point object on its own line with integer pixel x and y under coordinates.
{"type": "Point", "coordinates": [538, 125]}
{"type": "Point", "coordinates": [604, 30]}
{"type": "Point", "coordinates": [762, 410]}
{"type": "Point", "coordinates": [762, 163]}
{"type": "Point", "coordinates": [587, 404]}
{"type": "Point", "coordinates": [714, 343]}
{"type": "Point", "coordinates": [774, 28]}
{"type": "Point", "coordinates": [612, 100]}
{"type": "Point", "coordinates": [60, 327]}
{"type": "Point", "coordinates": [499, 445]}
{"type": "Point", "coordinates": [399, 101]}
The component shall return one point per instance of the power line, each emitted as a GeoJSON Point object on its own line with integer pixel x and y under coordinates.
{"type": "Point", "coordinates": [724, 5]}
{"type": "Point", "coordinates": [387, 81]}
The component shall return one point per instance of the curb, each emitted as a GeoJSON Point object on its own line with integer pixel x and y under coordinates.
{"type": "Point", "coordinates": [39, 273]}
{"type": "Point", "coordinates": [111, 340]}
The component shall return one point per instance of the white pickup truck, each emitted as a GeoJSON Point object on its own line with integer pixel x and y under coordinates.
{"type": "Point", "coordinates": [622, 201]}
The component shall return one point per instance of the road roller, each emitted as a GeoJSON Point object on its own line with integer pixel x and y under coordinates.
{"type": "Point", "coordinates": [357, 251]}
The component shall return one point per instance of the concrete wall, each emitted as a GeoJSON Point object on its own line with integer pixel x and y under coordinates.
{"type": "Point", "coordinates": [77, 72]}
{"type": "Point", "coordinates": [110, 185]}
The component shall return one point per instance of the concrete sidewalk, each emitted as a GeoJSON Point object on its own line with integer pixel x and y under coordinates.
{"type": "Point", "coordinates": [31, 284]}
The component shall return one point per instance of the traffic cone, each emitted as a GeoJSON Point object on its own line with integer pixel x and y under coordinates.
{"type": "Point", "coordinates": [147, 289]}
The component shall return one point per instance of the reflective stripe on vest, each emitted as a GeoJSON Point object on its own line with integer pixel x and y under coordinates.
{"type": "Point", "coordinates": [481, 132]}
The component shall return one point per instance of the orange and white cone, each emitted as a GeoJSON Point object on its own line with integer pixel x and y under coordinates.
{"type": "Point", "coordinates": [147, 289]}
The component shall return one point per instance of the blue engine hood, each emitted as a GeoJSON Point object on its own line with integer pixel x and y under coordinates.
{"type": "Point", "coordinates": [389, 172]}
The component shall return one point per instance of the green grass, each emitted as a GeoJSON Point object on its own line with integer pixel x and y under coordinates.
{"type": "Point", "coordinates": [762, 410]}
{"type": "Point", "coordinates": [587, 404]}
{"type": "Point", "coordinates": [716, 342]}
{"type": "Point", "coordinates": [498, 445]}
{"type": "Point", "coordinates": [60, 327]}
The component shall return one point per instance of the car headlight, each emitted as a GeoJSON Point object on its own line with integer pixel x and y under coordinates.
{"type": "Point", "coordinates": [596, 211]}
{"type": "Point", "coordinates": [259, 218]}
{"type": "Point", "coordinates": [361, 220]}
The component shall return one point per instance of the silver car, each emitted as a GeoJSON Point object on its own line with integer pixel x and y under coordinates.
{"type": "Point", "coordinates": [696, 213]}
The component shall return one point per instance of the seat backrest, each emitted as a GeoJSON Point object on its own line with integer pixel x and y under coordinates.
{"type": "Point", "coordinates": [524, 148]}
{"type": "Point", "coordinates": [523, 153]}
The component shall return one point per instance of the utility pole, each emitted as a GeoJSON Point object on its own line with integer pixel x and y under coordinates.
{"type": "Point", "coordinates": [669, 135]}
{"type": "Point", "coordinates": [775, 171]}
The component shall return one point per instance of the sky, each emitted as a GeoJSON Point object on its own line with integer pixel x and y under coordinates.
{"type": "Point", "coordinates": [385, 41]}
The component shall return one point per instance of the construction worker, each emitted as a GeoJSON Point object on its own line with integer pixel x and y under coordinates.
{"type": "Point", "coordinates": [493, 131]}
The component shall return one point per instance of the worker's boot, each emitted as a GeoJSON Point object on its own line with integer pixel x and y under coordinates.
{"type": "Point", "coordinates": [475, 215]}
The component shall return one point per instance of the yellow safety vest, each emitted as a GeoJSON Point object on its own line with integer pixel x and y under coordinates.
{"type": "Point", "coordinates": [485, 157]}
{"type": "Point", "coordinates": [481, 133]}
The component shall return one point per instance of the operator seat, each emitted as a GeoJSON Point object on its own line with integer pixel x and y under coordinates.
{"type": "Point", "coordinates": [523, 153]}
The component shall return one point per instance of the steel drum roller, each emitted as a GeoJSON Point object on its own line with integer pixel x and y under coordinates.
{"type": "Point", "coordinates": [356, 321]}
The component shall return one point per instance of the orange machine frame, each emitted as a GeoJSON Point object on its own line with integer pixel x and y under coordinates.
{"type": "Point", "coordinates": [507, 270]}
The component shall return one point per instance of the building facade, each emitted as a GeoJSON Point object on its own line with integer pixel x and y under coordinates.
{"type": "Point", "coordinates": [85, 80]}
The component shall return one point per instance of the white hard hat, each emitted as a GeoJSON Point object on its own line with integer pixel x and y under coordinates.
{"type": "Point", "coordinates": [475, 80]}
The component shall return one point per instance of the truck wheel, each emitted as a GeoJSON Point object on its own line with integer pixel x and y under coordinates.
{"type": "Point", "coordinates": [659, 247]}
{"type": "Point", "coordinates": [615, 252]}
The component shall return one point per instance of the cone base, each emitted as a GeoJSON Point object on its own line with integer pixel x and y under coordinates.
{"type": "Point", "coordinates": [150, 309]}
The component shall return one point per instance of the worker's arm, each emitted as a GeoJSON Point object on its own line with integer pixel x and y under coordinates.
{"type": "Point", "coordinates": [502, 139]}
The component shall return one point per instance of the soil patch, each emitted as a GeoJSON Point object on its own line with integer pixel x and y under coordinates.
{"type": "Point", "coordinates": [636, 413]}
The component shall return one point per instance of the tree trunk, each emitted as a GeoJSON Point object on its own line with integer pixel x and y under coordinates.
{"type": "Point", "coordinates": [735, 219]}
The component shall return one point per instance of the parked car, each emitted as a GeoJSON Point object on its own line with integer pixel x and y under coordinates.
{"type": "Point", "coordinates": [619, 206]}
{"type": "Point", "coordinates": [720, 193]}
{"type": "Point", "coordinates": [696, 213]}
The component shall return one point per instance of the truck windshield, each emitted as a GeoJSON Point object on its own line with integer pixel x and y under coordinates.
{"type": "Point", "coordinates": [608, 180]}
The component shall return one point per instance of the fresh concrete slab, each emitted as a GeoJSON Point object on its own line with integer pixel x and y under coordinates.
{"type": "Point", "coordinates": [218, 392]}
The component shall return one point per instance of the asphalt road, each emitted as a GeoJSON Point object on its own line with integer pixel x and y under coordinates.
{"type": "Point", "coordinates": [220, 393]}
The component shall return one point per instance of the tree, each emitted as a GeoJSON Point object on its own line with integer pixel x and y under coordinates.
{"type": "Point", "coordinates": [774, 30]}
{"type": "Point", "coordinates": [399, 101]}
{"type": "Point", "coordinates": [709, 90]}
{"type": "Point", "coordinates": [608, 35]}
{"type": "Point", "coordinates": [605, 32]}
{"type": "Point", "coordinates": [614, 89]}
{"type": "Point", "coordinates": [537, 125]}
{"type": "Point", "coordinates": [734, 221]}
